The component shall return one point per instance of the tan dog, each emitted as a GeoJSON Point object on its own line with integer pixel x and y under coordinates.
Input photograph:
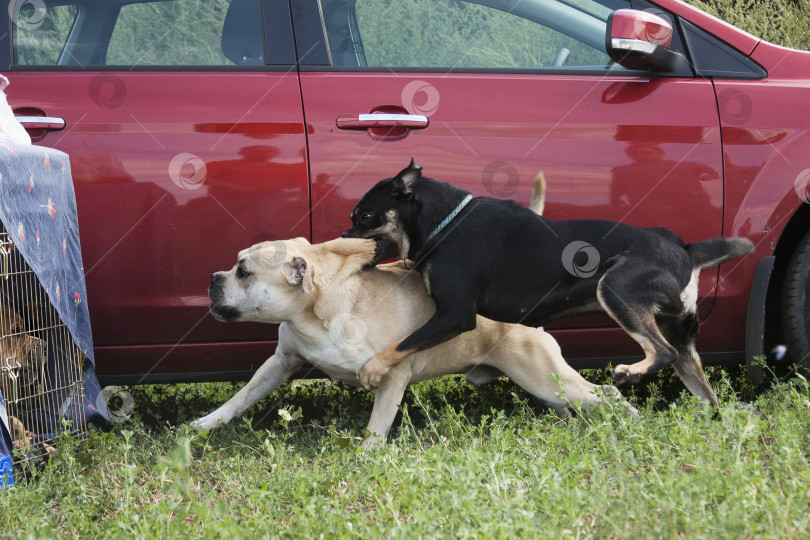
{"type": "Point", "coordinates": [20, 353]}
{"type": "Point", "coordinates": [336, 315]}
{"type": "Point", "coordinates": [21, 357]}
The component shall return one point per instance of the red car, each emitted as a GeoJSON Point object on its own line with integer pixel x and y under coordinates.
{"type": "Point", "coordinates": [196, 129]}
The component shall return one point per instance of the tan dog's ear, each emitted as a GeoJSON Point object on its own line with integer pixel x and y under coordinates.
{"type": "Point", "coordinates": [301, 240]}
{"type": "Point", "coordinates": [297, 271]}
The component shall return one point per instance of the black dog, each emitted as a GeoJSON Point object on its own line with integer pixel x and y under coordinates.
{"type": "Point", "coordinates": [503, 261]}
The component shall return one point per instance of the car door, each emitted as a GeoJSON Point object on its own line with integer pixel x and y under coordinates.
{"type": "Point", "coordinates": [504, 90]}
{"type": "Point", "coordinates": [184, 126]}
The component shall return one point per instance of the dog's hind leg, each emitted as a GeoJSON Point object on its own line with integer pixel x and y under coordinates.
{"type": "Point", "coordinates": [636, 317]}
{"type": "Point", "coordinates": [532, 359]}
{"type": "Point", "coordinates": [482, 374]}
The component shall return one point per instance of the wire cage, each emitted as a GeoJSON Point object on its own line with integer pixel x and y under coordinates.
{"type": "Point", "coordinates": [40, 366]}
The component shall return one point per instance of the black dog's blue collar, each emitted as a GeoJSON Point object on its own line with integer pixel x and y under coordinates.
{"type": "Point", "coordinates": [449, 218]}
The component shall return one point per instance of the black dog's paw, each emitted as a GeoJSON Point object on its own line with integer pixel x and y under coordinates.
{"type": "Point", "coordinates": [625, 374]}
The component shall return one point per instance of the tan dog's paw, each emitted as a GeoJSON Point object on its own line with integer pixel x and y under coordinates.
{"type": "Point", "coordinates": [372, 373]}
{"type": "Point", "coordinates": [208, 423]}
{"type": "Point", "coordinates": [372, 442]}
{"type": "Point", "coordinates": [625, 374]}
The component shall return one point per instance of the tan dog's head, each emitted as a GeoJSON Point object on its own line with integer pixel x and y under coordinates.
{"type": "Point", "coordinates": [21, 355]}
{"type": "Point", "coordinates": [273, 281]}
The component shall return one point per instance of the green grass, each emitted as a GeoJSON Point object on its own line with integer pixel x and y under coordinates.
{"type": "Point", "coordinates": [464, 462]}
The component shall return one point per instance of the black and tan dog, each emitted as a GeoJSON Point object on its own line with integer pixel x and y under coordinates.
{"type": "Point", "coordinates": [500, 260]}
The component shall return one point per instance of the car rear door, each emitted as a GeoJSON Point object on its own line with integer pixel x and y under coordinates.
{"type": "Point", "coordinates": [507, 89]}
{"type": "Point", "coordinates": [184, 125]}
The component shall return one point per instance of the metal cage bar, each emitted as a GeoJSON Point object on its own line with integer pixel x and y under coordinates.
{"type": "Point", "coordinates": [40, 366]}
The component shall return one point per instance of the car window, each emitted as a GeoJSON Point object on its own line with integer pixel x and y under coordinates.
{"type": "Point", "coordinates": [183, 32]}
{"type": "Point", "coordinates": [458, 34]}
{"type": "Point", "coordinates": [40, 34]}
{"type": "Point", "coordinates": [150, 33]}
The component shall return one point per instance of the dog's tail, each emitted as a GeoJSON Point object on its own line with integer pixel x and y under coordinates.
{"type": "Point", "coordinates": [718, 250]}
{"type": "Point", "coordinates": [538, 203]}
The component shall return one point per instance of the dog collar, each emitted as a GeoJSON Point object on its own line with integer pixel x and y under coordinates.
{"type": "Point", "coordinates": [449, 218]}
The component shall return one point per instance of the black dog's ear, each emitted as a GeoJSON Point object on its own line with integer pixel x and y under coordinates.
{"type": "Point", "coordinates": [405, 180]}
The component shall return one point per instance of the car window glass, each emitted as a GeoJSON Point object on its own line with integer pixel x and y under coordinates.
{"type": "Point", "coordinates": [184, 32]}
{"type": "Point", "coordinates": [150, 33]}
{"type": "Point", "coordinates": [40, 33]}
{"type": "Point", "coordinates": [455, 35]}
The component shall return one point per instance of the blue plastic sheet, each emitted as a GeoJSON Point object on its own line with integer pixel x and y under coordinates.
{"type": "Point", "coordinates": [38, 210]}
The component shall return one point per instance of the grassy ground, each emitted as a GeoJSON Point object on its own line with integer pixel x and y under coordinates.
{"type": "Point", "coordinates": [468, 462]}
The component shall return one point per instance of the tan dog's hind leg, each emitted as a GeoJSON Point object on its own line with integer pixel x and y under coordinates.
{"type": "Point", "coordinates": [276, 370]}
{"type": "Point", "coordinates": [534, 361]}
{"type": "Point", "coordinates": [379, 366]}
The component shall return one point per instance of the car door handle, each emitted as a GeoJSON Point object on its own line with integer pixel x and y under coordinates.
{"type": "Point", "coordinates": [41, 122]}
{"type": "Point", "coordinates": [381, 120]}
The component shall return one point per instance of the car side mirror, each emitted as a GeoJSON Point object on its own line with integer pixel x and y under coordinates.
{"type": "Point", "coordinates": [641, 40]}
